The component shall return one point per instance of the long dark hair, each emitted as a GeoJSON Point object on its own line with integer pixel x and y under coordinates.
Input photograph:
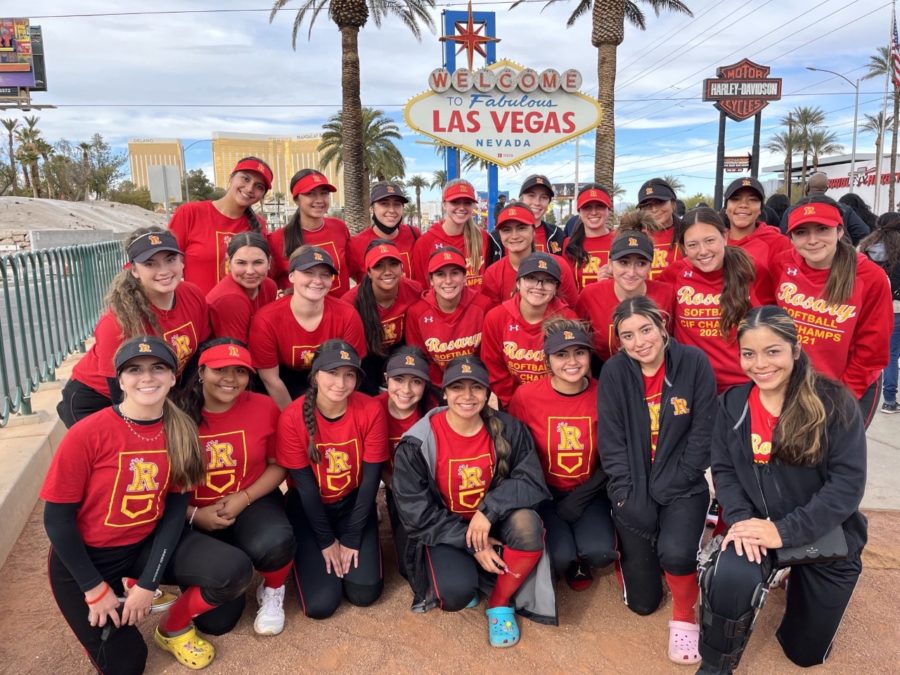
{"type": "Point", "coordinates": [309, 401]}
{"type": "Point", "coordinates": [575, 247]}
{"type": "Point", "coordinates": [249, 213]}
{"type": "Point", "coordinates": [801, 432]}
{"type": "Point", "coordinates": [293, 231]}
{"type": "Point", "coordinates": [842, 275]}
{"type": "Point", "coordinates": [190, 399]}
{"type": "Point", "coordinates": [887, 233]}
{"type": "Point", "coordinates": [737, 270]}
{"type": "Point", "coordinates": [367, 307]}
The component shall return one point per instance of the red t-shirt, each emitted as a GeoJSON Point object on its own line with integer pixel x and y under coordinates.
{"type": "Point", "coordinates": [184, 327]}
{"type": "Point", "coordinates": [564, 428]}
{"type": "Point", "coordinates": [653, 386]}
{"type": "Point", "coordinates": [444, 336]}
{"type": "Point", "coordinates": [464, 466]}
{"type": "Point", "coordinates": [333, 237]}
{"type": "Point", "coordinates": [120, 480]}
{"type": "Point", "coordinates": [237, 445]}
{"type": "Point", "coordinates": [540, 241]}
{"type": "Point", "coordinates": [697, 313]}
{"type": "Point", "coordinates": [356, 251]}
{"type": "Point", "coordinates": [393, 318]}
{"type": "Point", "coordinates": [598, 301]}
{"type": "Point", "coordinates": [598, 250]}
{"type": "Point", "coordinates": [849, 342]}
{"type": "Point", "coordinates": [513, 349]}
{"type": "Point", "coordinates": [762, 428]}
{"type": "Point", "coordinates": [500, 282]}
{"type": "Point", "coordinates": [396, 427]}
{"type": "Point", "coordinates": [277, 339]}
{"type": "Point", "coordinates": [203, 234]}
{"type": "Point", "coordinates": [664, 253]}
{"type": "Point", "coordinates": [435, 238]}
{"type": "Point", "coordinates": [360, 435]}
{"type": "Point", "coordinates": [231, 309]}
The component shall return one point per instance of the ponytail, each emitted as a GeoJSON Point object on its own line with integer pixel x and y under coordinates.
{"type": "Point", "coordinates": [186, 464]}
{"type": "Point", "coordinates": [474, 244]}
{"type": "Point", "coordinates": [293, 235]}
{"type": "Point", "coordinates": [575, 248]}
{"type": "Point", "coordinates": [842, 275]}
{"type": "Point", "coordinates": [309, 420]}
{"type": "Point", "coordinates": [502, 448]}
{"type": "Point", "coordinates": [801, 427]}
{"type": "Point", "coordinates": [738, 275]}
{"type": "Point", "coordinates": [367, 307]}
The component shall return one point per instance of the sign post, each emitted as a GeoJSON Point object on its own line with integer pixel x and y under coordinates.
{"type": "Point", "coordinates": [740, 91]}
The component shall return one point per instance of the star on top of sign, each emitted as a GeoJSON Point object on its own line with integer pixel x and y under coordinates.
{"type": "Point", "coordinates": [469, 37]}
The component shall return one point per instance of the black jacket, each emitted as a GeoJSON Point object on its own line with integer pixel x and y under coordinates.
{"type": "Point", "coordinates": [804, 502]}
{"type": "Point", "coordinates": [554, 235]}
{"type": "Point", "coordinates": [429, 522]}
{"type": "Point", "coordinates": [637, 487]}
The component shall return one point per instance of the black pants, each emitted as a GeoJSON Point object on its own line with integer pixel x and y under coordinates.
{"type": "Point", "coordinates": [319, 592]}
{"type": "Point", "coordinates": [221, 571]}
{"type": "Point", "coordinates": [868, 404]}
{"type": "Point", "coordinates": [674, 551]}
{"type": "Point", "coordinates": [456, 576]}
{"type": "Point", "coordinates": [263, 533]}
{"type": "Point", "coordinates": [817, 597]}
{"type": "Point", "coordinates": [591, 538]}
{"type": "Point", "coordinates": [78, 401]}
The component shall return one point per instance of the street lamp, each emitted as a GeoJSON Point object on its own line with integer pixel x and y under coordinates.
{"type": "Point", "coordinates": [184, 148]}
{"type": "Point", "coordinates": [855, 116]}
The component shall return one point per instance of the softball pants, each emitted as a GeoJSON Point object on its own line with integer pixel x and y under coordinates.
{"type": "Point", "coordinates": [591, 538]}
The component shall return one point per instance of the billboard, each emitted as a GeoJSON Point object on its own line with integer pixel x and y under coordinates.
{"type": "Point", "coordinates": [16, 63]}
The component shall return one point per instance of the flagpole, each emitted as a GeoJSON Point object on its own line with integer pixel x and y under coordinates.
{"type": "Point", "coordinates": [876, 207]}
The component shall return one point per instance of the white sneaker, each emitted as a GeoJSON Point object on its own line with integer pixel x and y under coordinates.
{"type": "Point", "coordinates": [270, 617]}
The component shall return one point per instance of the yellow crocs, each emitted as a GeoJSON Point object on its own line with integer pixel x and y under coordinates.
{"type": "Point", "coordinates": [188, 648]}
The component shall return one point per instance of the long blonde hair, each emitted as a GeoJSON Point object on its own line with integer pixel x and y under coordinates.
{"type": "Point", "coordinates": [472, 234]}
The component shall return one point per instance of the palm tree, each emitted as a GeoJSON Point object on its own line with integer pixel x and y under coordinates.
{"type": "Point", "coordinates": [784, 143]}
{"type": "Point", "coordinates": [45, 150]}
{"type": "Point", "coordinates": [439, 179]}
{"type": "Point", "coordinates": [674, 182]}
{"type": "Point", "coordinates": [880, 64]}
{"type": "Point", "coordinates": [619, 191]}
{"type": "Point", "coordinates": [10, 126]}
{"type": "Point", "coordinates": [350, 16]}
{"type": "Point", "coordinates": [85, 148]}
{"type": "Point", "coordinates": [607, 33]}
{"type": "Point", "coordinates": [418, 183]}
{"type": "Point", "coordinates": [822, 142]}
{"type": "Point", "coordinates": [879, 126]}
{"type": "Point", "coordinates": [381, 158]}
{"type": "Point", "coordinates": [806, 119]}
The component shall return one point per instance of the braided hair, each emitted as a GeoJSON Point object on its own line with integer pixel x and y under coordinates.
{"type": "Point", "coordinates": [309, 403]}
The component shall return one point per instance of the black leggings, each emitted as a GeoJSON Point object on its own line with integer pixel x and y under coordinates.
{"type": "Point", "coordinates": [319, 592]}
{"type": "Point", "coordinates": [456, 576]}
{"type": "Point", "coordinates": [591, 538]}
{"type": "Point", "coordinates": [263, 533]}
{"type": "Point", "coordinates": [868, 403]}
{"type": "Point", "coordinates": [221, 571]}
{"type": "Point", "coordinates": [78, 401]}
{"type": "Point", "coordinates": [674, 551]}
{"type": "Point", "coordinates": [817, 597]}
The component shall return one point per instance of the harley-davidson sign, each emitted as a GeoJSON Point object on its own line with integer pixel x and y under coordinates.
{"type": "Point", "coordinates": [742, 89]}
{"type": "Point", "coordinates": [503, 113]}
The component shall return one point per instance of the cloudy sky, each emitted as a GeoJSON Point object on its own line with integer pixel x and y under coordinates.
{"type": "Point", "coordinates": [188, 69]}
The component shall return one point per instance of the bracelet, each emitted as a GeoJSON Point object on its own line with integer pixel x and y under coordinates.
{"type": "Point", "coordinates": [99, 597]}
{"type": "Point", "coordinates": [193, 513]}
{"type": "Point", "coordinates": [247, 495]}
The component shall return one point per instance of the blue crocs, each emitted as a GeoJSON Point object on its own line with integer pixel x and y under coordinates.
{"type": "Point", "coordinates": [503, 631]}
{"type": "Point", "coordinates": [473, 603]}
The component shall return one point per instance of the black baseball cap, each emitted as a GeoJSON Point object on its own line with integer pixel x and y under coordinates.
{"type": "Point", "coordinates": [407, 361]}
{"type": "Point", "coordinates": [539, 262]}
{"type": "Point", "coordinates": [563, 339]}
{"type": "Point", "coordinates": [537, 180]}
{"type": "Point", "coordinates": [656, 188]}
{"type": "Point", "coordinates": [466, 368]}
{"type": "Point", "coordinates": [384, 189]}
{"type": "Point", "coordinates": [310, 258]}
{"type": "Point", "coordinates": [631, 242]}
{"type": "Point", "coordinates": [741, 183]}
{"type": "Point", "coordinates": [145, 345]}
{"type": "Point", "coordinates": [336, 353]}
{"type": "Point", "coordinates": [149, 244]}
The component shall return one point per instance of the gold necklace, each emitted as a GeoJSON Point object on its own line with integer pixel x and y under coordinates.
{"type": "Point", "coordinates": [132, 426]}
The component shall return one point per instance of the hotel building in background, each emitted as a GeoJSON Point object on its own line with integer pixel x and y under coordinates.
{"type": "Point", "coordinates": [146, 152]}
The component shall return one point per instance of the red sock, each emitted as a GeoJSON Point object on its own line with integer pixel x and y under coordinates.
{"type": "Point", "coordinates": [685, 591]}
{"type": "Point", "coordinates": [519, 565]}
{"type": "Point", "coordinates": [275, 578]}
{"type": "Point", "coordinates": [179, 616]}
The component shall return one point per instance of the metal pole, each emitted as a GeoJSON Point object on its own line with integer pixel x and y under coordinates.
{"type": "Point", "coordinates": [720, 163]}
{"type": "Point", "coordinates": [789, 160]}
{"type": "Point", "coordinates": [577, 153]}
{"type": "Point", "coordinates": [754, 160]}
{"type": "Point", "coordinates": [853, 146]}
{"type": "Point", "coordinates": [187, 194]}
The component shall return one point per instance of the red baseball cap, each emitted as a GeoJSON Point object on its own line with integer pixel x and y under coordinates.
{"type": "Point", "coordinates": [221, 356]}
{"type": "Point", "coordinates": [462, 189]}
{"type": "Point", "coordinates": [310, 182]}
{"type": "Point", "coordinates": [445, 256]}
{"type": "Point", "coordinates": [815, 212]}
{"type": "Point", "coordinates": [515, 213]}
{"type": "Point", "coordinates": [256, 166]}
{"type": "Point", "coordinates": [593, 195]}
{"type": "Point", "coordinates": [382, 252]}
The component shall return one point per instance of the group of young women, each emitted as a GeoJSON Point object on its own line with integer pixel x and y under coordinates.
{"type": "Point", "coordinates": [536, 417]}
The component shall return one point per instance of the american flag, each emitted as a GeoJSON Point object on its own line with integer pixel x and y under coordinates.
{"type": "Point", "coordinates": [895, 55]}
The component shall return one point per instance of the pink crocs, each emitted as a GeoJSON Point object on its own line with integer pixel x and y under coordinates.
{"type": "Point", "coordinates": [684, 642]}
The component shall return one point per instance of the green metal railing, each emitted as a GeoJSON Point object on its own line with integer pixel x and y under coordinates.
{"type": "Point", "coordinates": [50, 303]}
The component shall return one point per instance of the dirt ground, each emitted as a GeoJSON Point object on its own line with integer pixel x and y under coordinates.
{"type": "Point", "coordinates": [597, 633]}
